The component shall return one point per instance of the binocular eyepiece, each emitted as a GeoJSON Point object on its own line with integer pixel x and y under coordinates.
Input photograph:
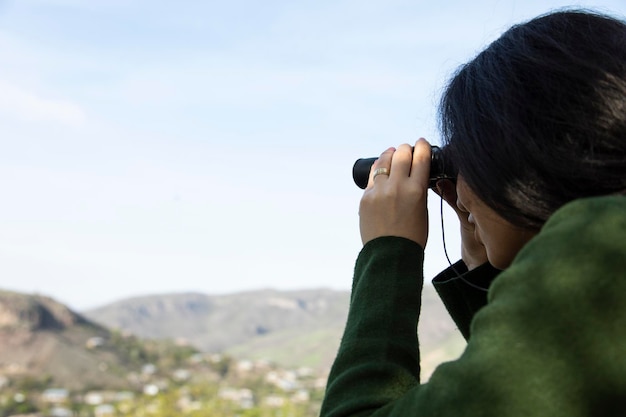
{"type": "Point", "coordinates": [440, 169]}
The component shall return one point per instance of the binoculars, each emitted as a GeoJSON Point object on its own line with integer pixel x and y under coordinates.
{"type": "Point", "coordinates": [440, 169]}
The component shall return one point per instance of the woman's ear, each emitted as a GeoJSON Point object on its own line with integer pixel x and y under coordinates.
{"type": "Point", "coordinates": [446, 189]}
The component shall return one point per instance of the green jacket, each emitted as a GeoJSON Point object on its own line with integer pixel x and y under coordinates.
{"type": "Point", "coordinates": [551, 340]}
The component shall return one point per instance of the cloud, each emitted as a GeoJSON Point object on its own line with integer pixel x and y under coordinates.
{"type": "Point", "coordinates": [28, 106]}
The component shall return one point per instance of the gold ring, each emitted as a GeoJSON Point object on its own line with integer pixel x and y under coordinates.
{"type": "Point", "coordinates": [380, 171]}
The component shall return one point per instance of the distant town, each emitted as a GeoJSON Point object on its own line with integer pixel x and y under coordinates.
{"type": "Point", "coordinates": [208, 384]}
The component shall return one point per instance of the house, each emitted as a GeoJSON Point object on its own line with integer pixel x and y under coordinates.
{"type": "Point", "coordinates": [55, 395]}
{"type": "Point", "coordinates": [104, 410]}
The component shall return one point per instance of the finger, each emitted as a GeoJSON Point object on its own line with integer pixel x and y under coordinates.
{"type": "Point", "coordinates": [401, 162]}
{"type": "Point", "coordinates": [420, 164]}
{"type": "Point", "coordinates": [384, 161]}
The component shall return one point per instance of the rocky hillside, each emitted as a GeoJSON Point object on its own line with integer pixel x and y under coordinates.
{"type": "Point", "coordinates": [19, 312]}
{"type": "Point", "coordinates": [43, 340]}
{"type": "Point", "coordinates": [292, 328]}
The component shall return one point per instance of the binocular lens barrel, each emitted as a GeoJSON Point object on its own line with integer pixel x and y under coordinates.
{"type": "Point", "coordinates": [438, 169]}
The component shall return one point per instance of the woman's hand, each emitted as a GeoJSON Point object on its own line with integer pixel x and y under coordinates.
{"type": "Point", "coordinates": [473, 252]}
{"type": "Point", "coordinates": [394, 203]}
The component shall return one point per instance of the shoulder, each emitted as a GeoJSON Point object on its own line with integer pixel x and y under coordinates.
{"type": "Point", "coordinates": [582, 246]}
{"type": "Point", "coordinates": [588, 225]}
{"type": "Point", "coordinates": [600, 213]}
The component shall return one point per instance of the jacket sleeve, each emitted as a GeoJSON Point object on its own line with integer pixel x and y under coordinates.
{"type": "Point", "coordinates": [549, 342]}
{"type": "Point", "coordinates": [464, 292]}
{"type": "Point", "coordinates": [378, 359]}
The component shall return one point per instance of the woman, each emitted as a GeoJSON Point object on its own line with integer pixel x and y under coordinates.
{"type": "Point", "coordinates": [536, 126]}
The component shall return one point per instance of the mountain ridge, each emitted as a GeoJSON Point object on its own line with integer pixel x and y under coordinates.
{"type": "Point", "coordinates": [295, 327]}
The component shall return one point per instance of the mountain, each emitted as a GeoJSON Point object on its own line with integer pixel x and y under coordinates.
{"type": "Point", "coordinates": [293, 328]}
{"type": "Point", "coordinates": [43, 341]}
{"type": "Point", "coordinates": [216, 323]}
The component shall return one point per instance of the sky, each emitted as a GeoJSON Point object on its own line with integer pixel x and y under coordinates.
{"type": "Point", "coordinates": [152, 147]}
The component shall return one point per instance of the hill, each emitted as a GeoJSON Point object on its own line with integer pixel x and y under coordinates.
{"type": "Point", "coordinates": [44, 342]}
{"type": "Point", "coordinates": [293, 328]}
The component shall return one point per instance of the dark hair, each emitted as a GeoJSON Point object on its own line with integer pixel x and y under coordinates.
{"type": "Point", "coordinates": [538, 118]}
